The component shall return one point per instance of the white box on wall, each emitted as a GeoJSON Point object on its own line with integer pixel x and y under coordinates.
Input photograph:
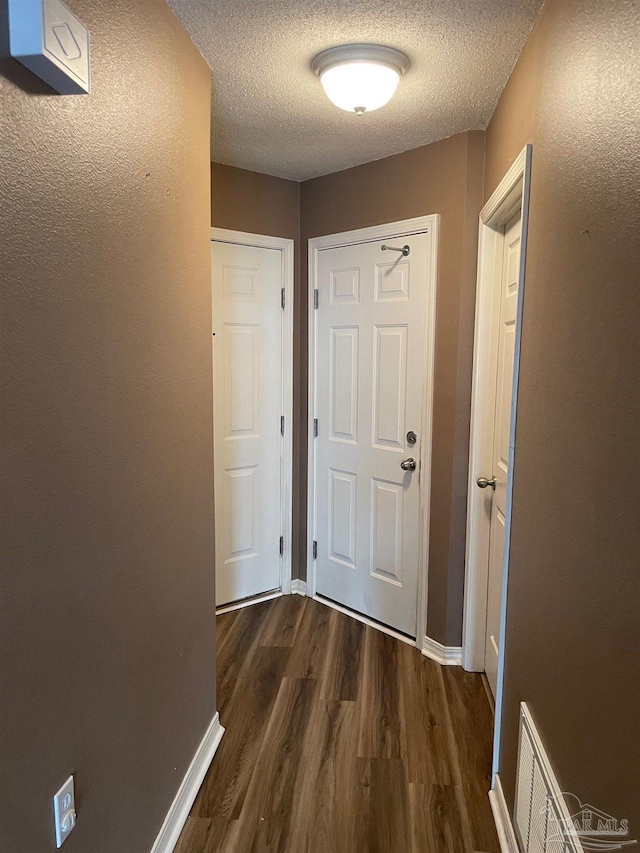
{"type": "Point", "coordinates": [47, 38]}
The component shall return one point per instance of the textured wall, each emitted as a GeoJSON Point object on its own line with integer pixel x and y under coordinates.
{"type": "Point", "coordinates": [444, 178]}
{"type": "Point", "coordinates": [573, 632]}
{"type": "Point", "coordinates": [107, 650]}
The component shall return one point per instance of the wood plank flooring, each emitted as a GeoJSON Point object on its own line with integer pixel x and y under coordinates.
{"type": "Point", "coordinates": [340, 739]}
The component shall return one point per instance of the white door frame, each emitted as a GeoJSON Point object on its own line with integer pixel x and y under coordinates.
{"type": "Point", "coordinates": [286, 247]}
{"type": "Point", "coordinates": [422, 224]}
{"type": "Point", "coordinates": [511, 195]}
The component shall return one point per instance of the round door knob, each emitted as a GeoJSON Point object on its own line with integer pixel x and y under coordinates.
{"type": "Point", "coordinates": [483, 483]}
{"type": "Point", "coordinates": [408, 465]}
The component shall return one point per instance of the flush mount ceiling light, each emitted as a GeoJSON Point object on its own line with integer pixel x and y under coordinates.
{"type": "Point", "coordinates": [360, 78]}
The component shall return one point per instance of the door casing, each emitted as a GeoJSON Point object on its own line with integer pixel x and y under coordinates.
{"type": "Point", "coordinates": [511, 195]}
{"type": "Point", "coordinates": [286, 247]}
{"type": "Point", "coordinates": [422, 224]}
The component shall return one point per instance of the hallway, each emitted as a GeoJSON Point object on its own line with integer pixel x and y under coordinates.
{"type": "Point", "coordinates": [340, 739]}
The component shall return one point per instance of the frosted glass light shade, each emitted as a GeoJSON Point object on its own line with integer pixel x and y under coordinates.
{"type": "Point", "coordinates": [360, 77]}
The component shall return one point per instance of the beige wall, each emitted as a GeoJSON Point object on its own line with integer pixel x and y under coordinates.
{"type": "Point", "coordinates": [107, 650]}
{"type": "Point", "coordinates": [574, 588]}
{"type": "Point", "coordinates": [259, 204]}
{"type": "Point", "coordinates": [444, 178]}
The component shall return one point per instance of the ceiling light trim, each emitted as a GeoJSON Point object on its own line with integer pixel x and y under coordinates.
{"type": "Point", "coordinates": [360, 53]}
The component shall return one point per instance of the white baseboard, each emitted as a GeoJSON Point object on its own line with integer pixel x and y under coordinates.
{"type": "Point", "coordinates": [188, 790]}
{"type": "Point", "coordinates": [444, 655]}
{"type": "Point", "coordinates": [298, 587]}
{"type": "Point", "coordinates": [504, 827]}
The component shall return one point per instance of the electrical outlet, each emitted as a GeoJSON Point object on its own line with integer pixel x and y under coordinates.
{"type": "Point", "coordinates": [64, 811]}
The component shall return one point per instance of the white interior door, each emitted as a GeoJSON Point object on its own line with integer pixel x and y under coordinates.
{"type": "Point", "coordinates": [248, 404]}
{"type": "Point", "coordinates": [370, 385]}
{"type": "Point", "coordinates": [506, 310]}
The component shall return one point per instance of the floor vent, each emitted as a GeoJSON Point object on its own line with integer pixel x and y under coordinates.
{"type": "Point", "coordinates": [541, 813]}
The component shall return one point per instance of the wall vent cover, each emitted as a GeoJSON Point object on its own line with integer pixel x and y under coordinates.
{"type": "Point", "coordinates": [541, 813]}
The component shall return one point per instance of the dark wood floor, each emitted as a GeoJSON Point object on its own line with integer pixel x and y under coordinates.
{"type": "Point", "coordinates": [340, 739]}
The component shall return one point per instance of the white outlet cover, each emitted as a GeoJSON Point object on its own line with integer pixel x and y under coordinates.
{"type": "Point", "coordinates": [46, 37]}
{"type": "Point", "coordinates": [64, 811]}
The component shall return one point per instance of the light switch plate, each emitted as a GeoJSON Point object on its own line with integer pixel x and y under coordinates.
{"type": "Point", "coordinates": [46, 37]}
{"type": "Point", "coordinates": [64, 811]}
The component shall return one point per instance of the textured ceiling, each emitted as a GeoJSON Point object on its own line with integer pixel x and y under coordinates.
{"type": "Point", "coordinates": [270, 114]}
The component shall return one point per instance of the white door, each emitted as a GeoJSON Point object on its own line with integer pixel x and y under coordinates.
{"type": "Point", "coordinates": [248, 404]}
{"type": "Point", "coordinates": [506, 309]}
{"type": "Point", "coordinates": [370, 386]}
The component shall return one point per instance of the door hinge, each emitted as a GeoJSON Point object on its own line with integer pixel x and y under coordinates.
{"type": "Point", "coordinates": [281, 424]}
{"type": "Point", "coordinates": [315, 427]}
{"type": "Point", "coordinates": [316, 298]}
{"type": "Point", "coordinates": [315, 550]}
{"type": "Point", "coordinates": [282, 298]}
{"type": "Point", "coordinates": [281, 545]}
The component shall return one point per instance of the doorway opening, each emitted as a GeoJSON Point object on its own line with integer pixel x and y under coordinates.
{"type": "Point", "coordinates": [498, 327]}
{"type": "Point", "coordinates": [252, 324]}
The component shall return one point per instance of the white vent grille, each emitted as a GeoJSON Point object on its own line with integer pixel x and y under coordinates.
{"type": "Point", "coordinates": [540, 809]}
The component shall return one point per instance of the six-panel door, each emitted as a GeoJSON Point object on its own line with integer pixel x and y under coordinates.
{"type": "Point", "coordinates": [370, 386]}
{"type": "Point", "coordinates": [247, 383]}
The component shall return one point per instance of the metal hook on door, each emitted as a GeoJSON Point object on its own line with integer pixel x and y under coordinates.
{"type": "Point", "coordinates": [405, 249]}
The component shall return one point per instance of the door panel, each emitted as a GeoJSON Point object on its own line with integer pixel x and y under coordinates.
{"type": "Point", "coordinates": [501, 432]}
{"type": "Point", "coordinates": [241, 389]}
{"type": "Point", "coordinates": [342, 517]}
{"type": "Point", "coordinates": [389, 386]}
{"type": "Point", "coordinates": [247, 323]}
{"type": "Point", "coordinates": [345, 286]}
{"type": "Point", "coordinates": [239, 507]}
{"type": "Point", "coordinates": [370, 385]}
{"type": "Point", "coordinates": [344, 383]}
{"type": "Point", "coordinates": [392, 281]}
{"type": "Point", "coordinates": [386, 531]}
